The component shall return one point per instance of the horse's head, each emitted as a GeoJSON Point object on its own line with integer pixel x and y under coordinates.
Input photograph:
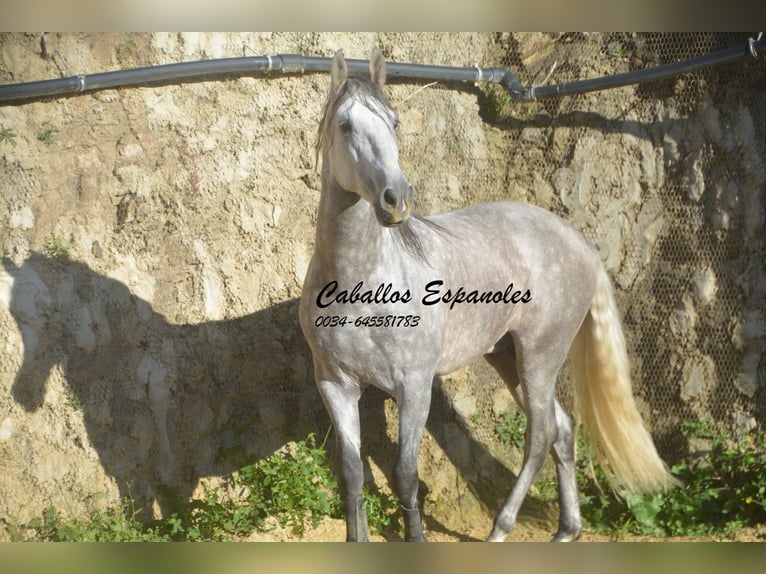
{"type": "Point", "coordinates": [27, 298]}
{"type": "Point", "coordinates": [358, 137]}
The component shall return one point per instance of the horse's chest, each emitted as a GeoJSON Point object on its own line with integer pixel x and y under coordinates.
{"type": "Point", "coordinates": [372, 343]}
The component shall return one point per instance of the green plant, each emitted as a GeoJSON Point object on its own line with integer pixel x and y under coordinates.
{"type": "Point", "coordinates": [73, 400]}
{"type": "Point", "coordinates": [493, 101]}
{"type": "Point", "coordinates": [511, 428]}
{"type": "Point", "coordinates": [547, 487]}
{"type": "Point", "coordinates": [723, 490]}
{"type": "Point", "coordinates": [7, 135]}
{"type": "Point", "coordinates": [111, 525]}
{"type": "Point", "coordinates": [205, 519]}
{"type": "Point", "coordinates": [382, 510]}
{"type": "Point", "coordinates": [46, 135]}
{"type": "Point", "coordinates": [618, 50]}
{"type": "Point", "coordinates": [57, 246]}
{"type": "Point", "coordinates": [297, 487]}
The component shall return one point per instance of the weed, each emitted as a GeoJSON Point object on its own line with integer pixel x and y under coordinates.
{"type": "Point", "coordinates": [723, 490]}
{"type": "Point", "coordinates": [547, 487]}
{"type": "Point", "coordinates": [46, 135]}
{"type": "Point", "coordinates": [297, 488]}
{"type": "Point", "coordinates": [618, 50]}
{"type": "Point", "coordinates": [7, 135]}
{"type": "Point", "coordinates": [111, 525]}
{"type": "Point", "coordinates": [382, 510]}
{"type": "Point", "coordinates": [73, 400]}
{"type": "Point", "coordinates": [57, 246]}
{"type": "Point", "coordinates": [510, 430]}
{"type": "Point", "coordinates": [493, 100]}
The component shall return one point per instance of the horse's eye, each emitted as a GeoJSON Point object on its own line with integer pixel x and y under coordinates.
{"type": "Point", "coordinates": [345, 127]}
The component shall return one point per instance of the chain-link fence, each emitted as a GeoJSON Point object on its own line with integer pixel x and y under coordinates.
{"type": "Point", "coordinates": [666, 178]}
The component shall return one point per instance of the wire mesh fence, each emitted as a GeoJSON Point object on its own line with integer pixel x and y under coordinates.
{"type": "Point", "coordinates": [665, 178]}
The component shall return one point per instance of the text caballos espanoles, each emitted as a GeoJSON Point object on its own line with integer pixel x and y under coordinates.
{"type": "Point", "coordinates": [434, 292]}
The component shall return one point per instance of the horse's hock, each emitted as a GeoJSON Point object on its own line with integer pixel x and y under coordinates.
{"type": "Point", "coordinates": [154, 243]}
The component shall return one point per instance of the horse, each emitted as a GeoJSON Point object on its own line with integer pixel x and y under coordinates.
{"type": "Point", "coordinates": [394, 299]}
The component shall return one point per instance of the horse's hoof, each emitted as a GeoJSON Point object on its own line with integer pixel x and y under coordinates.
{"type": "Point", "coordinates": [420, 538]}
{"type": "Point", "coordinates": [567, 536]}
{"type": "Point", "coordinates": [497, 536]}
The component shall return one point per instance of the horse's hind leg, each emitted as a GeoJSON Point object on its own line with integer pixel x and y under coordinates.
{"type": "Point", "coordinates": [342, 404]}
{"type": "Point", "coordinates": [570, 522]}
{"type": "Point", "coordinates": [541, 434]}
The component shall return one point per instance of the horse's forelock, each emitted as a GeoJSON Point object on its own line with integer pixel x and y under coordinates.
{"type": "Point", "coordinates": [360, 88]}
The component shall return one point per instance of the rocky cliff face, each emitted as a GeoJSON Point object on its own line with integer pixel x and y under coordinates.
{"type": "Point", "coordinates": [154, 243]}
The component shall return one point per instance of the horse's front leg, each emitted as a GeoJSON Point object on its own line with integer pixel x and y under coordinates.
{"type": "Point", "coordinates": [342, 403]}
{"type": "Point", "coordinates": [414, 403]}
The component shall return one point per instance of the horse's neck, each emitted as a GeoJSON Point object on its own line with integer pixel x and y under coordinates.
{"type": "Point", "coordinates": [348, 237]}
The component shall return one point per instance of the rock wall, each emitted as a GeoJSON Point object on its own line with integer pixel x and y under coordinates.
{"type": "Point", "coordinates": [154, 242]}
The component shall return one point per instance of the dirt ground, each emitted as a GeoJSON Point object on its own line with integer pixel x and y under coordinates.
{"type": "Point", "coordinates": [333, 530]}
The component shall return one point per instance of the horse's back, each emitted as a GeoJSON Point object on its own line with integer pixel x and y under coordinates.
{"type": "Point", "coordinates": [529, 231]}
{"type": "Point", "coordinates": [520, 247]}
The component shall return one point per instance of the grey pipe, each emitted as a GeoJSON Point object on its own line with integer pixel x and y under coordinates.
{"type": "Point", "coordinates": [296, 64]}
{"type": "Point", "coordinates": [726, 56]}
{"type": "Point", "coordinates": [228, 67]}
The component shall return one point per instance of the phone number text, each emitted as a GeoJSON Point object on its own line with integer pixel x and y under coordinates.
{"type": "Point", "coordinates": [383, 321]}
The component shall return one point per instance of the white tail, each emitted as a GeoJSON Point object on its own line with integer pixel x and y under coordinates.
{"type": "Point", "coordinates": [603, 400]}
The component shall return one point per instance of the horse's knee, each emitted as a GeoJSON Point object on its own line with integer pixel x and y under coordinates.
{"type": "Point", "coordinates": [406, 484]}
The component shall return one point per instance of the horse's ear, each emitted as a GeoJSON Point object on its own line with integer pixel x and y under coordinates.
{"type": "Point", "coordinates": [378, 68]}
{"type": "Point", "coordinates": [338, 72]}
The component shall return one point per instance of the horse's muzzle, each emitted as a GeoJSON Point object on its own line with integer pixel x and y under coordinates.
{"type": "Point", "coordinates": [395, 205]}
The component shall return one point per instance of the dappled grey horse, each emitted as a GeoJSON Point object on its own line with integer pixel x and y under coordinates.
{"type": "Point", "coordinates": [393, 299]}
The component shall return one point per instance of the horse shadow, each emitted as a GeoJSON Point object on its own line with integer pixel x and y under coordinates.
{"type": "Point", "coordinates": [165, 405]}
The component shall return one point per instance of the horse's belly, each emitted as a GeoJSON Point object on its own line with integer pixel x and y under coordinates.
{"type": "Point", "coordinates": [466, 340]}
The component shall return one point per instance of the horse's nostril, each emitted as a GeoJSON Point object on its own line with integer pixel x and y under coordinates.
{"type": "Point", "coordinates": [390, 197]}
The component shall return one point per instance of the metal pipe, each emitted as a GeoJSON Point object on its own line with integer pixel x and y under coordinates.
{"type": "Point", "coordinates": [297, 64]}
{"type": "Point", "coordinates": [228, 67]}
{"type": "Point", "coordinates": [645, 75]}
